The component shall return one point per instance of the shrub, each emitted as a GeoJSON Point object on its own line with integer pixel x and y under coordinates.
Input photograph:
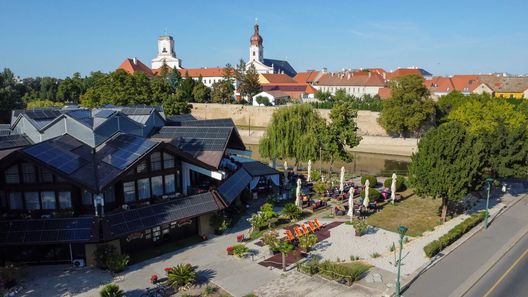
{"type": "Point", "coordinates": [291, 211]}
{"type": "Point", "coordinates": [375, 255]}
{"type": "Point", "coordinates": [111, 290]}
{"type": "Point", "coordinates": [374, 195]}
{"type": "Point", "coordinates": [307, 241]}
{"type": "Point", "coordinates": [258, 221]}
{"type": "Point", "coordinates": [372, 180]}
{"type": "Point", "coordinates": [240, 250]}
{"type": "Point", "coordinates": [117, 263]}
{"type": "Point", "coordinates": [271, 239]}
{"type": "Point", "coordinates": [102, 254]}
{"type": "Point", "coordinates": [310, 267]}
{"type": "Point", "coordinates": [433, 248]}
{"type": "Point", "coordinates": [315, 175]}
{"type": "Point", "coordinates": [400, 183]}
{"type": "Point", "coordinates": [209, 291]}
{"type": "Point", "coordinates": [360, 226]}
{"type": "Point", "coordinates": [348, 273]}
{"type": "Point", "coordinates": [181, 276]}
{"type": "Point", "coordinates": [319, 187]}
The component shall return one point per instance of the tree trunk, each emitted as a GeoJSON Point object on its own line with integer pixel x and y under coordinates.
{"type": "Point", "coordinates": [283, 261]}
{"type": "Point", "coordinates": [444, 209]}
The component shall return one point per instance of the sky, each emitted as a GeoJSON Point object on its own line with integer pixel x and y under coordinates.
{"type": "Point", "coordinates": [58, 38]}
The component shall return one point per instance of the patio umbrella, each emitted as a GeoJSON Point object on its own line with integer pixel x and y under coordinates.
{"type": "Point", "coordinates": [351, 203]}
{"type": "Point", "coordinates": [366, 200]}
{"type": "Point", "coordinates": [393, 188]}
{"type": "Point", "coordinates": [342, 179]}
{"type": "Point", "coordinates": [309, 178]}
{"type": "Point", "coordinates": [285, 172]}
{"type": "Point", "coordinates": [298, 200]}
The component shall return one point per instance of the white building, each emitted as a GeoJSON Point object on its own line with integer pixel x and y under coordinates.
{"type": "Point", "coordinates": [358, 84]}
{"type": "Point", "coordinates": [166, 54]}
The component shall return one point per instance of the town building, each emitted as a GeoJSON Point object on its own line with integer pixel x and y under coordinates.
{"type": "Point", "coordinates": [166, 54]}
{"type": "Point", "coordinates": [504, 87]}
{"type": "Point", "coordinates": [354, 83]}
{"type": "Point", "coordinates": [274, 98]}
{"type": "Point", "coordinates": [73, 178]}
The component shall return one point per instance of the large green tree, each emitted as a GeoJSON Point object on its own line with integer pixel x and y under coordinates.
{"type": "Point", "coordinates": [448, 164]}
{"type": "Point", "coordinates": [409, 108]}
{"type": "Point", "coordinates": [201, 93]}
{"type": "Point", "coordinates": [173, 105]}
{"type": "Point", "coordinates": [9, 97]}
{"type": "Point", "coordinates": [71, 88]}
{"type": "Point", "coordinates": [250, 85]}
{"type": "Point", "coordinates": [223, 90]}
{"type": "Point", "coordinates": [507, 152]}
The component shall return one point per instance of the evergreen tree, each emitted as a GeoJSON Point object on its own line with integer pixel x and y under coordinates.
{"type": "Point", "coordinates": [250, 85]}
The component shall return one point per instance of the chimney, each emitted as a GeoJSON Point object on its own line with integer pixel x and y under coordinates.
{"type": "Point", "coordinates": [134, 61]}
{"type": "Point", "coordinates": [370, 74]}
{"type": "Point", "coordinates": [348, 76]}
{"type": "Point", "coordinates": [324, 70]}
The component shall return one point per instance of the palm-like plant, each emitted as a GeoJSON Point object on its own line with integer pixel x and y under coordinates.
{"type": "Point", "coordinates": [291, 211]}
{"type": "Point", "coordinates": [181, 276]}
{"type": "Point", "coordinates": [307, 241]}
{"type": "Point", "coordinates": [111, 290]}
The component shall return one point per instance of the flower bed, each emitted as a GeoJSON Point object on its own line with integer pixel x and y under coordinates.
{"type": "Point", "coordinates": [345, 273]}
{"type": "Point", "coordinates": [445, 240]}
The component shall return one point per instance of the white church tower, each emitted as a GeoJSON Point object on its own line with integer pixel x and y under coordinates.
{"type": "Point", "coordinates": [166, 54]}
{"type": "Point", "coordinates": [256, 50]}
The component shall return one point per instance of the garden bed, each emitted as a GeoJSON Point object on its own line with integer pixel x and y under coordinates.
{"type": "Point", "coordinates": [342, 272]}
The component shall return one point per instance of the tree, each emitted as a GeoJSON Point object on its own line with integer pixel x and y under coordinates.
{"type": "Point", "coordinates": [174, 78]}
{"type": "Point", "coordinates": [262, 100]}
{"type": "Point", "coordinates": [161, 89]}
{"type": "Point", "coordinates": [9, 97]}
{"type": "Point", "coordinates": [448, 164]}
{"type": "Point", "coordinates": [201, 93]}
{"type": "Point", "coordinates": [410, 107]}
{"type": "Point", "coordinates": [323, 96]}
{"type": "Point", "coordinates": [173, 105]}
{"type": "Point", "coordinates": [71, 88]}
{"type": "Point", "coordinates": [284, 248]}
{"type": "Point", "coordinates": [250, 85]}
{"type": "Point", "coordinates": [43, 104]}
{"type": "Point", "coordinates": [294, 133]}
{"type": "Point", "coordinates": [186, 87]}
{"type": "Point", "coordinates": [507, 152]}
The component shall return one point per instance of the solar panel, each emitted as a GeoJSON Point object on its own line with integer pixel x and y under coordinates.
{"type": "Point", "coordinates": [105, 113]}
{"type": "Point", "coordinates": [210, 123]}
{"type": "Point", "coordinates": [42, 114]}
{"type": "Point", "coordinates": [234, 185]}
{"type": "Point", "coordinates": [128, 148]}
{"type": "Point", "coordinates": [11, 141]}
{"type": "Point", "coordinates": [192, 139]}
{"type": "Point", "coordinates": [258, 169]}
{"type": "Point", "coordinates": [54, 156]}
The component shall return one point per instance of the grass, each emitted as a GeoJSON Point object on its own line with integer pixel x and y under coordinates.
{"type": "Point", "coordinates": [375, 255]}
{"type": "Point", "coordinates": [148, 253]}
{"type": "Point", "coordinates": [416, 213]}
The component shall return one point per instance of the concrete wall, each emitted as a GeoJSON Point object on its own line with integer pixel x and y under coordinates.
{"type": "Point", "coordinates": [260, 116]}
{"type": "Point", "coordinates": [204, 226]}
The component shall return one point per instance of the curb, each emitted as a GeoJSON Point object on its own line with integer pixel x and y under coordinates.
{"type": "Point", "coordinates": [455, 245]}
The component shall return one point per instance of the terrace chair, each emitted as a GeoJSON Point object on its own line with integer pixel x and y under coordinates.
{"type": "Point", "coordinates": [313, 226]}
{"type": "Point", "coordinates": [298, 232]}
{"type": "Point", "coordinates": [289, 235]}
{"type": "Point", "coordinates": [319, 225]}
{"type": "Point", "coordinates": [305, 230]}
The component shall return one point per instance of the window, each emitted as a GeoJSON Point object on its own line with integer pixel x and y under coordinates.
{"type": "Point", "coordinates": [15, 200]}
{"type": "Point", "coordinates": [109, 195]}
{"type": "Point", "coordinates": [65, 200]}
{"type": "Point", "coordinates": [143, 188]}
{"type": "Point", "coordinates": [129, 191]}
{"type": "Point", "coordinates": [168, 161]}
{"type": "Point", "coordinates": [170, 186]}
{"type": "Point", "coordinates": [11, 175]}
{"type": "Point", "coordinates": [155, 161]}
{"type": "Point", "coordinates": [87, 198]}
{"type": "Point", "coordinates": [46, 176]}
{"type": "Point", "coordinates": [253, 53]}
{"type": "Point", "coordinates": [28, 173]}
{"type": "Point", "coordinates": [142, 167]}
{"type": "Point", "coordinates": [48, 200]}
{"type": "Point", "coordinates": [157, 185]}
{"type": "Point", "coordinates": [32, 200]}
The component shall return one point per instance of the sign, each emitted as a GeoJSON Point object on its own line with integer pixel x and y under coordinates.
{"type": "Point", "coordinates": [184, 223]}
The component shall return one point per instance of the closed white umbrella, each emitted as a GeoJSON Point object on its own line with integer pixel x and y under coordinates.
{"type": "Point", "coordinates": [285, 172]}
{"type": "Point", "coordinates": [342, 179]}
{"type": "Point", "coordinates": [298, 200]}
{"type": "Point", "coordinates": [393, 188]}
{"type": "Point", "coordinates": [309, 178]}
{"type": "Point", "coordinates": [366, 200]}
{"type": "Point", "coordinates": [351, 203]}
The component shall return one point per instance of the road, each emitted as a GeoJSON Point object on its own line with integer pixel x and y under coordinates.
{"type": "Point", "coordinates": [455, 273]}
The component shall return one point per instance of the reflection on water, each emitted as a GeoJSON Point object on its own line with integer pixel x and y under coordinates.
{"type": "Point", "coordinates": [363, 163]}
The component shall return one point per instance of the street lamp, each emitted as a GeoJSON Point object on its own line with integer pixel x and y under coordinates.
{"type": "Point", "coordinates": [402, 230]}
{"type": "Point", "coordinates": [489, 180]}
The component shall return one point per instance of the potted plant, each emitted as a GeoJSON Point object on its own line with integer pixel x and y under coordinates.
{"type": "Point", "coordinates": [240, 237]}
{"type": "Point", "coordinates": [240, 250]}
{"type": "Point", "coordinates": [229, 250]}
{"type": "Point", "coordinates": [271, 239]}
{"type": "Point", "coordinates": [360, 227]}
{"type": "Point", "coordinates": [154, 279]}
{"type": "Point", "coordinates": [307, 241]}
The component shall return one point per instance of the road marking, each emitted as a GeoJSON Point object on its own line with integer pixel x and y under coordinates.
{"type": "Point", "coordinates": [506, 273]}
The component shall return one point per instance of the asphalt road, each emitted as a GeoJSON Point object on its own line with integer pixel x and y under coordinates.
{"type": "Point", "coordinates": [457, 268]}
{"type": "Point", "coordinates": [509, 277]}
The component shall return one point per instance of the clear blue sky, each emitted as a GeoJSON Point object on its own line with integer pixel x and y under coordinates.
{"type": "Point", "coordinates": [57, 38]}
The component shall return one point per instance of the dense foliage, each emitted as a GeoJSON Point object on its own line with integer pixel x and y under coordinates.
{"type": "Point", "coordinates": [400, 183]}
{"type": "Point", "coordinates": [181, 276]}
{"type": "Point", "coordinates": [371, 178]}
{"type": "Point", "coordinates": [342, 272]}
{"type": "Point", "coordinates": [111, 290]}
{"type": "Point", "coordinates": [367, 102]}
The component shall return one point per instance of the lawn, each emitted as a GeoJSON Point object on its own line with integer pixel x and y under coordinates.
{"type": "Point", "coordinates": [416, 213]}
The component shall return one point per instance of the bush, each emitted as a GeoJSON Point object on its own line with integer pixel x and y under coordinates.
{"type": "Point", "coordinates": [374, 195]}
{"type": "Point", "coordinates": [111, 290]}
{"type": "Point", "coordinates": [400, 183]}
{"type": "Point", "coordinates": [102, 254]}
{"type": "Point", "coordinates": [315, 175]}
{"type": "Point", "coordinates": [310, 267]}
{"type": "Point", "coordinates": [360, 226]}
{"type": "Point", "coordinates": [181, 276]}
{"type": "Point", "coordinates": [307, 241]}
{"type": "Point", "coordinates": [372, 180]}
{"type": "Point", "coordinates": [348, 272]}
{"type": "Point", "coordinates": [271, 239]}
{"type": "Point", "coordinates": [291, 211]}
{"type": "Point", "coordinates": [240, 250]}
{"type": "Point", "coordinates": [118, 263]}
{"type": "Point", "coordinates": [375, 255]}
{"type": "Point", "coordinates": [319, 187]}
{"type": "Point", "coordinates": [433, 248]}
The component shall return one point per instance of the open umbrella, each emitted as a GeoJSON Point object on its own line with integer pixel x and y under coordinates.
{"type": "Point", "coordinates": [309, 178]}
{"type": "Point", "coordinates": [342, 179]}
{"type": "Point", "coordinates": [366, 200]}
{"type": "Point", "coordinates": [298, 200]}
{"type": "Point", "coordinates": [285, 172]}
{"type": "Point", "coordinates": [393, 188]}
{"type": "Point", "coordinates": [351, 203]}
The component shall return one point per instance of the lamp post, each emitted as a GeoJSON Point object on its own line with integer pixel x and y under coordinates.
{"type": "Point", "coordinates": [402, 230]}
{"type": "Point", "coordinates": [489, 180]}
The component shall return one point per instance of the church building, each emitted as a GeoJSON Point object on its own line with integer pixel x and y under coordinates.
{"type": "Point", "coordinates": [166, 54]}
{"type": "Point", "coordinates": [261, 64]}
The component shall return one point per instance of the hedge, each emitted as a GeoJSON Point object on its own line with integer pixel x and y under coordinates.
{"type": "Point", "coordinates": [445, 240]}
{"type": "Point", "coordinates": [400, 183]}
{"type": "Point", "coordinates": [374, 195]}
{"type": "Point", "coordinates": [341, 272]}
{"type": "Point", "coordinates": [372, 179]}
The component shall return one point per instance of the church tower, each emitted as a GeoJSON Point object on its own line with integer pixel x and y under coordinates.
{"type": "Point", "coordinates": [256, 50]}
{"type": "Point", "coordinates": [166, 54]}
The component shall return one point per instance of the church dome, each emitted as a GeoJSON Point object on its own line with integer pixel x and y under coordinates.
{"type": "Point", "coordinates": [256, 39]}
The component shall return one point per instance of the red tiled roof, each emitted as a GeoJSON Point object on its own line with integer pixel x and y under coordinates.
{"type": "Point", "coordinates": [306, 77]}
{"type": "Point", "coordinates": [278, 78]}
{"type": "Point", "coordinates": [467, 82]}
{"type": "Point", "coordinates": [278, 93]}
{"type": "Point", "coordinates": [351, 79]}
{"type": "Point", "coordinates": [440, 84]}
{"type": "Point", "coordinates": [384, 93]}
{"type": "Point", "coordinates": [405, 71]}
{"type": "Point", "coordinates": [135, 65]}
{"type": "Point", "coordinates": [295, 87]}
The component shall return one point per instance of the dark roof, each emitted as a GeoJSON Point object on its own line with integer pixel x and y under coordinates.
{"type": "Point", "coordinates": [280, 66]}
{"type": "Point", "coordinates": [48, 231]}
{"type": "Point", "coordinates": [12, 141]}
{"type": "Point", "coordinates": [41, 117]}
{"type": "Point", "coordinates": [138, 110]}
{"type": "Point", "coordinates": [5, 129]}
{"type": "Point", "coordinates": [234, 185]}
{"type": "Point", "coordinates": [258, 169]}
{"type": "Point", "coordinates": [177, 119]}
{"type": "Point", "coordinates": [139, 219]}
{"type": "Point", "coordinates": [209, 123]}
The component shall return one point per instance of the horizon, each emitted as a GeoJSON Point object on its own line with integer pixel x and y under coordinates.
{"type": "Point", "coordinates": [384, 35]}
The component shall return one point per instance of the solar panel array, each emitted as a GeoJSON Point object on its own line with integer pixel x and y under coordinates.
{"type": "Point", "coordinates": [51, 230]}
{"type": "Point", "coordinates": [11, 141]}
{"type": "Point", "coordinates": [137, 110]}
{"type": "Point", "coordinates": [258, 169]}
{"type": "Point", "coordinates": [42, 114]}
{"type": "Point", "coordinates": [191, 139]}
{"type": "Point", "coordinates": [154, 215]}
{"type": "Point", "coordinates": [234, 185]}
{"type": "Point", "coordinates": [128, 148]}
{"type": "Point", "coordinates": [105, 113]}
{"type": "Point", "coordinates": [54, 156]}
{"type": "Point", "coordinates": [210, 123]}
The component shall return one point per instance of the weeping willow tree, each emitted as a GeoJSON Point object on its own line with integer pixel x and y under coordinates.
{"type": "Point", "coordinates": [295, 132]}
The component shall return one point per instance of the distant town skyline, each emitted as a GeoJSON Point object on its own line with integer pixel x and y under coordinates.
{"type": "Point", "coordinates": [63, 37]}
